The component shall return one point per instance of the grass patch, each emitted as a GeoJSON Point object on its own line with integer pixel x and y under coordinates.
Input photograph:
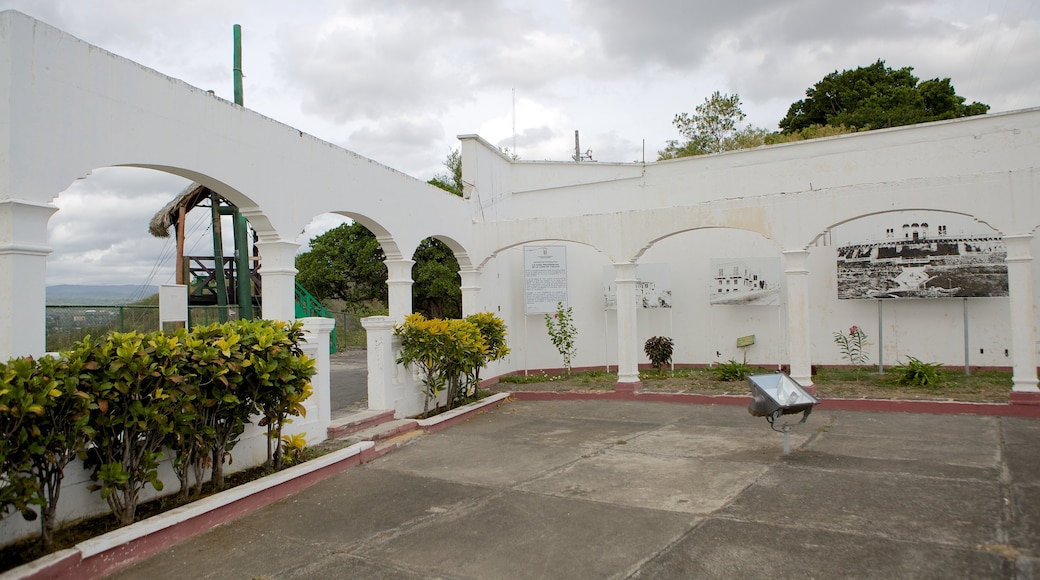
{"type": "Point", "coordinates": [855, 383]}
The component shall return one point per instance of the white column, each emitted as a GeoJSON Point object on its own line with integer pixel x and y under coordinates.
{"type": "Point", "coordinates": [278, 275]}
{"type": "Point", "coordinates": [1020, 297]}
{"type": "Point", "coordinates": [798, 340]}
{"type": "Point", "coordinates": [628, 341]}
{"type": "Point", "coordinates": [470, 291]}
{"type": "Point", "coordinates": [23, 285]}
{"type": "Point", "coordinates": [390, 385]}
{"type": "Point", "coordinates": [317, 331]}
{"type": "Point", "coordinates": [381, 361]}
{"type": "Point", "coordinates": [399, 288]}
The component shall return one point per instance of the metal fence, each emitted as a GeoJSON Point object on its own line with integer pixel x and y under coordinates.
{"type": "Point", "coordinates": [68, 324]}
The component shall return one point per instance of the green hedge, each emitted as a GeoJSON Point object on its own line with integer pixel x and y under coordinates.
{"type": "Point", "coordinates": [119, 401]}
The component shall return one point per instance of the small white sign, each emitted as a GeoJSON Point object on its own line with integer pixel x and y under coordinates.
{"type": "Point", "coordinates": [173, 303]}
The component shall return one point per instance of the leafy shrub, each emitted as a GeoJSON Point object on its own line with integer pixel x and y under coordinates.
{"type": "Point", "coordinates": [278, 375]}
{"type": "Point", "coordinates": [562, 332]}
{"type": "Point", "coordinates": [731, 371]}
{"type": "Point", "coordinates": [118, 401]}
{"type": "Point", "coordinates": [659, 350]}
{"type": "Point", "coordinates": [58, 433]}
{"type": "Point", "coordinates": [132, 380]}
{"type": "Point", "coordinates": [449, 353]}
{"type": "Point", "coordinates": [917, 373]}
{"type": "Point", "coordinates": [293, 445]}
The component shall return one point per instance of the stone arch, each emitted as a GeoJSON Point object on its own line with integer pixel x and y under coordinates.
{"type": "Point", "coordinates": [649, 244]}
{"type": "Point", "coordinates": [389, 244]}
{"type": "Point", "coordinates": [846, 220]}
{"type": "Point", "coordinates": [463, 257]}
{"type": "Point", "coordinates": [535, 240]}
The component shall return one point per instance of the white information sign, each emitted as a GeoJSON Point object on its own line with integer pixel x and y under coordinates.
{"type": "Point", "coordinates": [173, 303]}
{"type": "Point", "coordinates": [545, 278]}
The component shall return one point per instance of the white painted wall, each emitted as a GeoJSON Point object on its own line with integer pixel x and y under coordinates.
{"type": "Point", "coordinates": [764, 202]}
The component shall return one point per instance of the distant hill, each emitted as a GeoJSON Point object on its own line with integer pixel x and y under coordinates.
{"type": "Point", "coordinates": [88, 295]}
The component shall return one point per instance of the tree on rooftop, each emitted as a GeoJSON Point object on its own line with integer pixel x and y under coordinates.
{"type": "Point", "coordinates": [714, 127]}
{"type": "Point", "coordinates": [874, 97]}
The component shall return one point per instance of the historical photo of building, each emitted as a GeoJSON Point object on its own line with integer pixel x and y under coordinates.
{"type": "Point", "coordinates": [918, 261]}
{"type": "Point", "coordinates": [653, 290]}
{"type": "Point", "coordinates": [746, 281]}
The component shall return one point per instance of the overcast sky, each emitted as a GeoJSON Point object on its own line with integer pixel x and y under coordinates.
{"type": "Point", "coordinates": [397, 80]}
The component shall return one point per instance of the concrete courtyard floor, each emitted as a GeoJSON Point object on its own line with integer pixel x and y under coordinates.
{"type": "Point", "coordinates": [611, 489]}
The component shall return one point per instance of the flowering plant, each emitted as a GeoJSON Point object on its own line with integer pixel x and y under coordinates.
{"type": "Point", "coordinates": [852, 345]}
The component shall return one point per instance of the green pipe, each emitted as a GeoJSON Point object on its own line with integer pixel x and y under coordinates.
{"type": "Point", "coordinates": [242, 285]}
{"type": "Point", "coordinates": [238, 65]}
{"type": "Point", "coordinates": [218, 258]}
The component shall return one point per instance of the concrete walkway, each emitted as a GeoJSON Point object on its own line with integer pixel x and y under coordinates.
{"type": "Point", "coordinates": [609, 489]}
{"type": "Point", "coordinates": [348, 381]}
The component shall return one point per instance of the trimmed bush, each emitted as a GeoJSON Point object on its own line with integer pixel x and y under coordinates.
{"type": "Point", "coordinates": [120, 400]}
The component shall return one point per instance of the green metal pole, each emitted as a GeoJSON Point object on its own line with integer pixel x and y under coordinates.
{"type": "Point", "coordinates": [238, 65]}
{"type": "Point", "coordinates": [218, 259]}
{"type": "Point", "coordinates": [242, 285]}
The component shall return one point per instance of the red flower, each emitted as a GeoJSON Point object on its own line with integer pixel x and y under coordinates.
{"type": "Point", "coordinates": [853, 329]}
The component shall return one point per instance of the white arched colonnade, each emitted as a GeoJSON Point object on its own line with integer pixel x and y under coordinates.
{"type": "Point", "coordinates": [986, 167]}
{"type": "Point", "coordinates": [70, 107]}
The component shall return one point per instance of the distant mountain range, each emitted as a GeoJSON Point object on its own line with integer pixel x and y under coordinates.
{"type": "Point", "coordinates": [96, 295]}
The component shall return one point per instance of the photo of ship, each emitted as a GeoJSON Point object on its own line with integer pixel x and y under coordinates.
{"type": "Point", "coordinates": [918, 262]}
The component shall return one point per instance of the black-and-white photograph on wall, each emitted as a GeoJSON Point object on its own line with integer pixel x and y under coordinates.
{"type": "Point", "coordinates": [920, 255]}
{"type": "Point", "coordinates": [653, 290]}
{"type": "Point", "coordinates": [745, 281]}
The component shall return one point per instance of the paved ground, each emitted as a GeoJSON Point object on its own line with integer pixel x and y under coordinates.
{"type": "Point", "coordinates": [608, 489]}
{"type": "Point", "coordinates": [348, 380]}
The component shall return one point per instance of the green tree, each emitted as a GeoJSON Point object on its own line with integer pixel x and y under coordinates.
{"type": "Point", "coordinates": [452, 180]}
{"type": "Point", "coordinates": [876, 96]}
{"type": "Point", "coordinates": [436, 289]}
{"type": "Point", "coordinates": [344, 263]}
{"type": "Point", "coordinates": [713, 128]}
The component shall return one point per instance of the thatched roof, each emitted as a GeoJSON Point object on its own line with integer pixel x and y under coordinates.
{"type": "Point", "coordinates": [166, 217]}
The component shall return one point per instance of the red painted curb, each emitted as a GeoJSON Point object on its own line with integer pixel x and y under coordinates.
{"type": "Point", "coordinates": [140, 548]}
{"type": "Point", "coordinates": [877, 405]}
{"type": "Point", "coordinates": [400, 430]}
{"type": "Point", "coordinates": [351, 428]}
{"type": "Point", "coordinates": [464, 417]}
